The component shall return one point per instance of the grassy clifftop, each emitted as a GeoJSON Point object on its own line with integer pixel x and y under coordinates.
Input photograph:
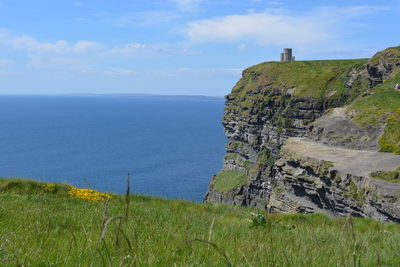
{"type": "Point", "coordinates": [41, 227]}
{"type": "Point", "coordinates": [311, 79]}
{"type": "Point", "coordinates": [365, 85]}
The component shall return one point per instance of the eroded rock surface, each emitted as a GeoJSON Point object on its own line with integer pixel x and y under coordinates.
{"type": "Point", "coordinates": [336, 128]}
{"type": "Point", "coordinates": [311, 177]}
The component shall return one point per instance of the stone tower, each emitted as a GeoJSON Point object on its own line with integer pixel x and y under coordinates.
{"type": "Point", "coordinates": [287, 55]}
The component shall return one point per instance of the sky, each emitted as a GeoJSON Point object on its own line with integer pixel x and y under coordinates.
{"type": "Point", "coordinates": [176, 47]}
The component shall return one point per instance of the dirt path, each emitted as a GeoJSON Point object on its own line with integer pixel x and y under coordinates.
{"type": "Point", "coordinates": [357, 162]}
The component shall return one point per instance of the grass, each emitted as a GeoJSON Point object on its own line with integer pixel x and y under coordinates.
{"type": "Point", "coordinates": [227, 180]}
{"type": "Point", "coordinates": [51, 229]}
{"type": "Point", "coordinates": [25, 186]}
{"type": "Point", "coordinates": [230, 156]}
{"type": "Point", "coordinates": [383, 106]}
{"type": "Point", "coordinates": [391, 54]}
{"type": "Point", "coordinates": [390, 176]}
{"type": "Point", "coordinates": [313, 79]}
{"type": "Point", "coordinates": [374, 108]}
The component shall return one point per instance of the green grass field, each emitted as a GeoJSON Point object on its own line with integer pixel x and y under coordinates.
{"type": "Point", "coordinates": [39, 228]}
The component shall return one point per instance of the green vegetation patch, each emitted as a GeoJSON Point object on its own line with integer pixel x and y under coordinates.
{"type": "Point", "coordinates": [230, 156]}
{"type": "Point", "coordinates": [228, 180]}
{"type": "Point", "coordinates": [48, 230]}
{"type": "Point", "coordinates": [247, 164]}
{"type": "Point", "coordinates": [28, 186]}
{"type": "Point", "coordinates": [264, 157]}
{"type": "Point", "coordinates": [390, 140]}
{"type": "Point", "coordinates": [383, 106]}
{"type": "Point", "coordinates": [391, 55]}
{"type": "Point", "coordinates": [390, 176]}
{"type": "Point", "coordinates": [312, 79]}
{"type": "Point", "coordinates": [375, 108]}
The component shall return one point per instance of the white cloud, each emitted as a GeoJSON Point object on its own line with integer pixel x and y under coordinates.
{"type": "Point", "coordinates": [121, 72]}
{"type": "Point", "coordinates": [275, 27]}
{"type": "Point", "coordinates": [78, 4]}
{"type": "Point", "coordinates": [242, 47]}
{"type": "Point", "coordinates": [82, 55]}
{"type": "Point", "coordinates": [261, 28]}
{"type": "Point", "coordinates": [6, 62]}
{"type": "Point", "coordinates": [142, 18]}
{"type": "Point", "coordinates": [133, 49]}
{"type": "Point", "coordinates": [59, 47]}
{"type": "Point", "coordinates": [274, 3]}
{"type": "Point", "coordinates": [82, 19]}
{"type": "Point", "coordinates": [180, 72]}
{"type": "Point", "coordinates": [187, 5]}
{"type": "Point", "coordinates": [59, 54]}
{"type": "Point", "coordinates": [83, 46]}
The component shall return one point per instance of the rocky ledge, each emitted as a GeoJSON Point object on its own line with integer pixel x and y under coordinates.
{"type": "Point", "coordinates": [312, 177]}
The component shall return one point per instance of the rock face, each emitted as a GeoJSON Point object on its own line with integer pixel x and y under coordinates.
{"type": "Point", "coordinates": [275, 102]}
{"type": "Point", "coordinates": [311, 177]}
{"type": "Point", "coordinates": [382, 65]}
{"type": "Point", "coordinates": [336, 128]}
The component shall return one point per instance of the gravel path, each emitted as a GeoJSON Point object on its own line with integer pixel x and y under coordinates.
{"type": "Point", "coordinates": [357, 162]}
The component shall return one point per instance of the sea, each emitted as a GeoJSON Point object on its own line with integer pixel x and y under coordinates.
{"type": "Point", "coordinates": [171, 146]}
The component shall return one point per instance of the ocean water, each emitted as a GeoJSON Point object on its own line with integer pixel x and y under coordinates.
{"type": "Point", "coordinates": [170, 145]}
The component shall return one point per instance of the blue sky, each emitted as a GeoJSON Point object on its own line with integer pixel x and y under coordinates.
{"type": "Point", "coordinates": [191, 47]}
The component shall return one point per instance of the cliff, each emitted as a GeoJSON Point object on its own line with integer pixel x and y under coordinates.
{"type": "Point", "coordinates": [338, 107]}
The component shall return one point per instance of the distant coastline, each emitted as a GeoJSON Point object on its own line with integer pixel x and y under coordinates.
{"type": "Point", "coordinates": [134, 95]}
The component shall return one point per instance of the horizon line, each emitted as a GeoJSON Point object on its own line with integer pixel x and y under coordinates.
{"type": "Point", "coordinates": [116, 94]}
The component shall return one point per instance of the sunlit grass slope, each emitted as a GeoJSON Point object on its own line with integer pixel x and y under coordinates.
{"type": "Point", "coordinates": [42, 228]}
{"type": "Point", "coordinates": [311, 79]}
{"type": "Point", "coordinates": [383, 105]}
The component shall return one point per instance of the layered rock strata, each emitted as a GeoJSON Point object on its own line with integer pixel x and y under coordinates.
{"type": "Point", "coordinates": [311, 177]}
{"type": "Point", "coordinates": [275, 102]}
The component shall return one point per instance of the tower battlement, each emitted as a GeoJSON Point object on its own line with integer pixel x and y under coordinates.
{"type": "Point", "coordinates": [287, 56]}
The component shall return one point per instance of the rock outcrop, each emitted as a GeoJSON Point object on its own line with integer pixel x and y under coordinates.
{"type": "Point", "coordinates": [336, 128]}
{"type": "Point", "coordinates": [311, 177]}
{"type": "Point", "coordinates": [275, 102]}
{"type": "Point", "coordinates": [382, 65]}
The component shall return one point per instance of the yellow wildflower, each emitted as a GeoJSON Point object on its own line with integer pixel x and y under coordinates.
{"type": "Point", "coordinates": [48, 187]}
{"type": "Point", "coordinates": [87, 194]}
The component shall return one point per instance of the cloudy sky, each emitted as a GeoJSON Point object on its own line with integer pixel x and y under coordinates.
{"type": "Point", "coordinates": [192, 47]}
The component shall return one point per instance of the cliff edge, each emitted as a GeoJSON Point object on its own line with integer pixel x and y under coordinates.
{"type": "Point", "coordinates": [315, 136]}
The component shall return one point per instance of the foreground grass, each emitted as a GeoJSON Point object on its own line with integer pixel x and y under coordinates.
{"type": "Point", "coordinates": [51, 229]}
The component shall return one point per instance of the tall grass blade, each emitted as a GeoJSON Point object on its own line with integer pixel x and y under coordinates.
{"type": "Point", "coordinates": [105, 226]}
{"type": "Point", "coordinates": [105, 216]}
{"type": "Point", "coordinates": [215, 246]}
